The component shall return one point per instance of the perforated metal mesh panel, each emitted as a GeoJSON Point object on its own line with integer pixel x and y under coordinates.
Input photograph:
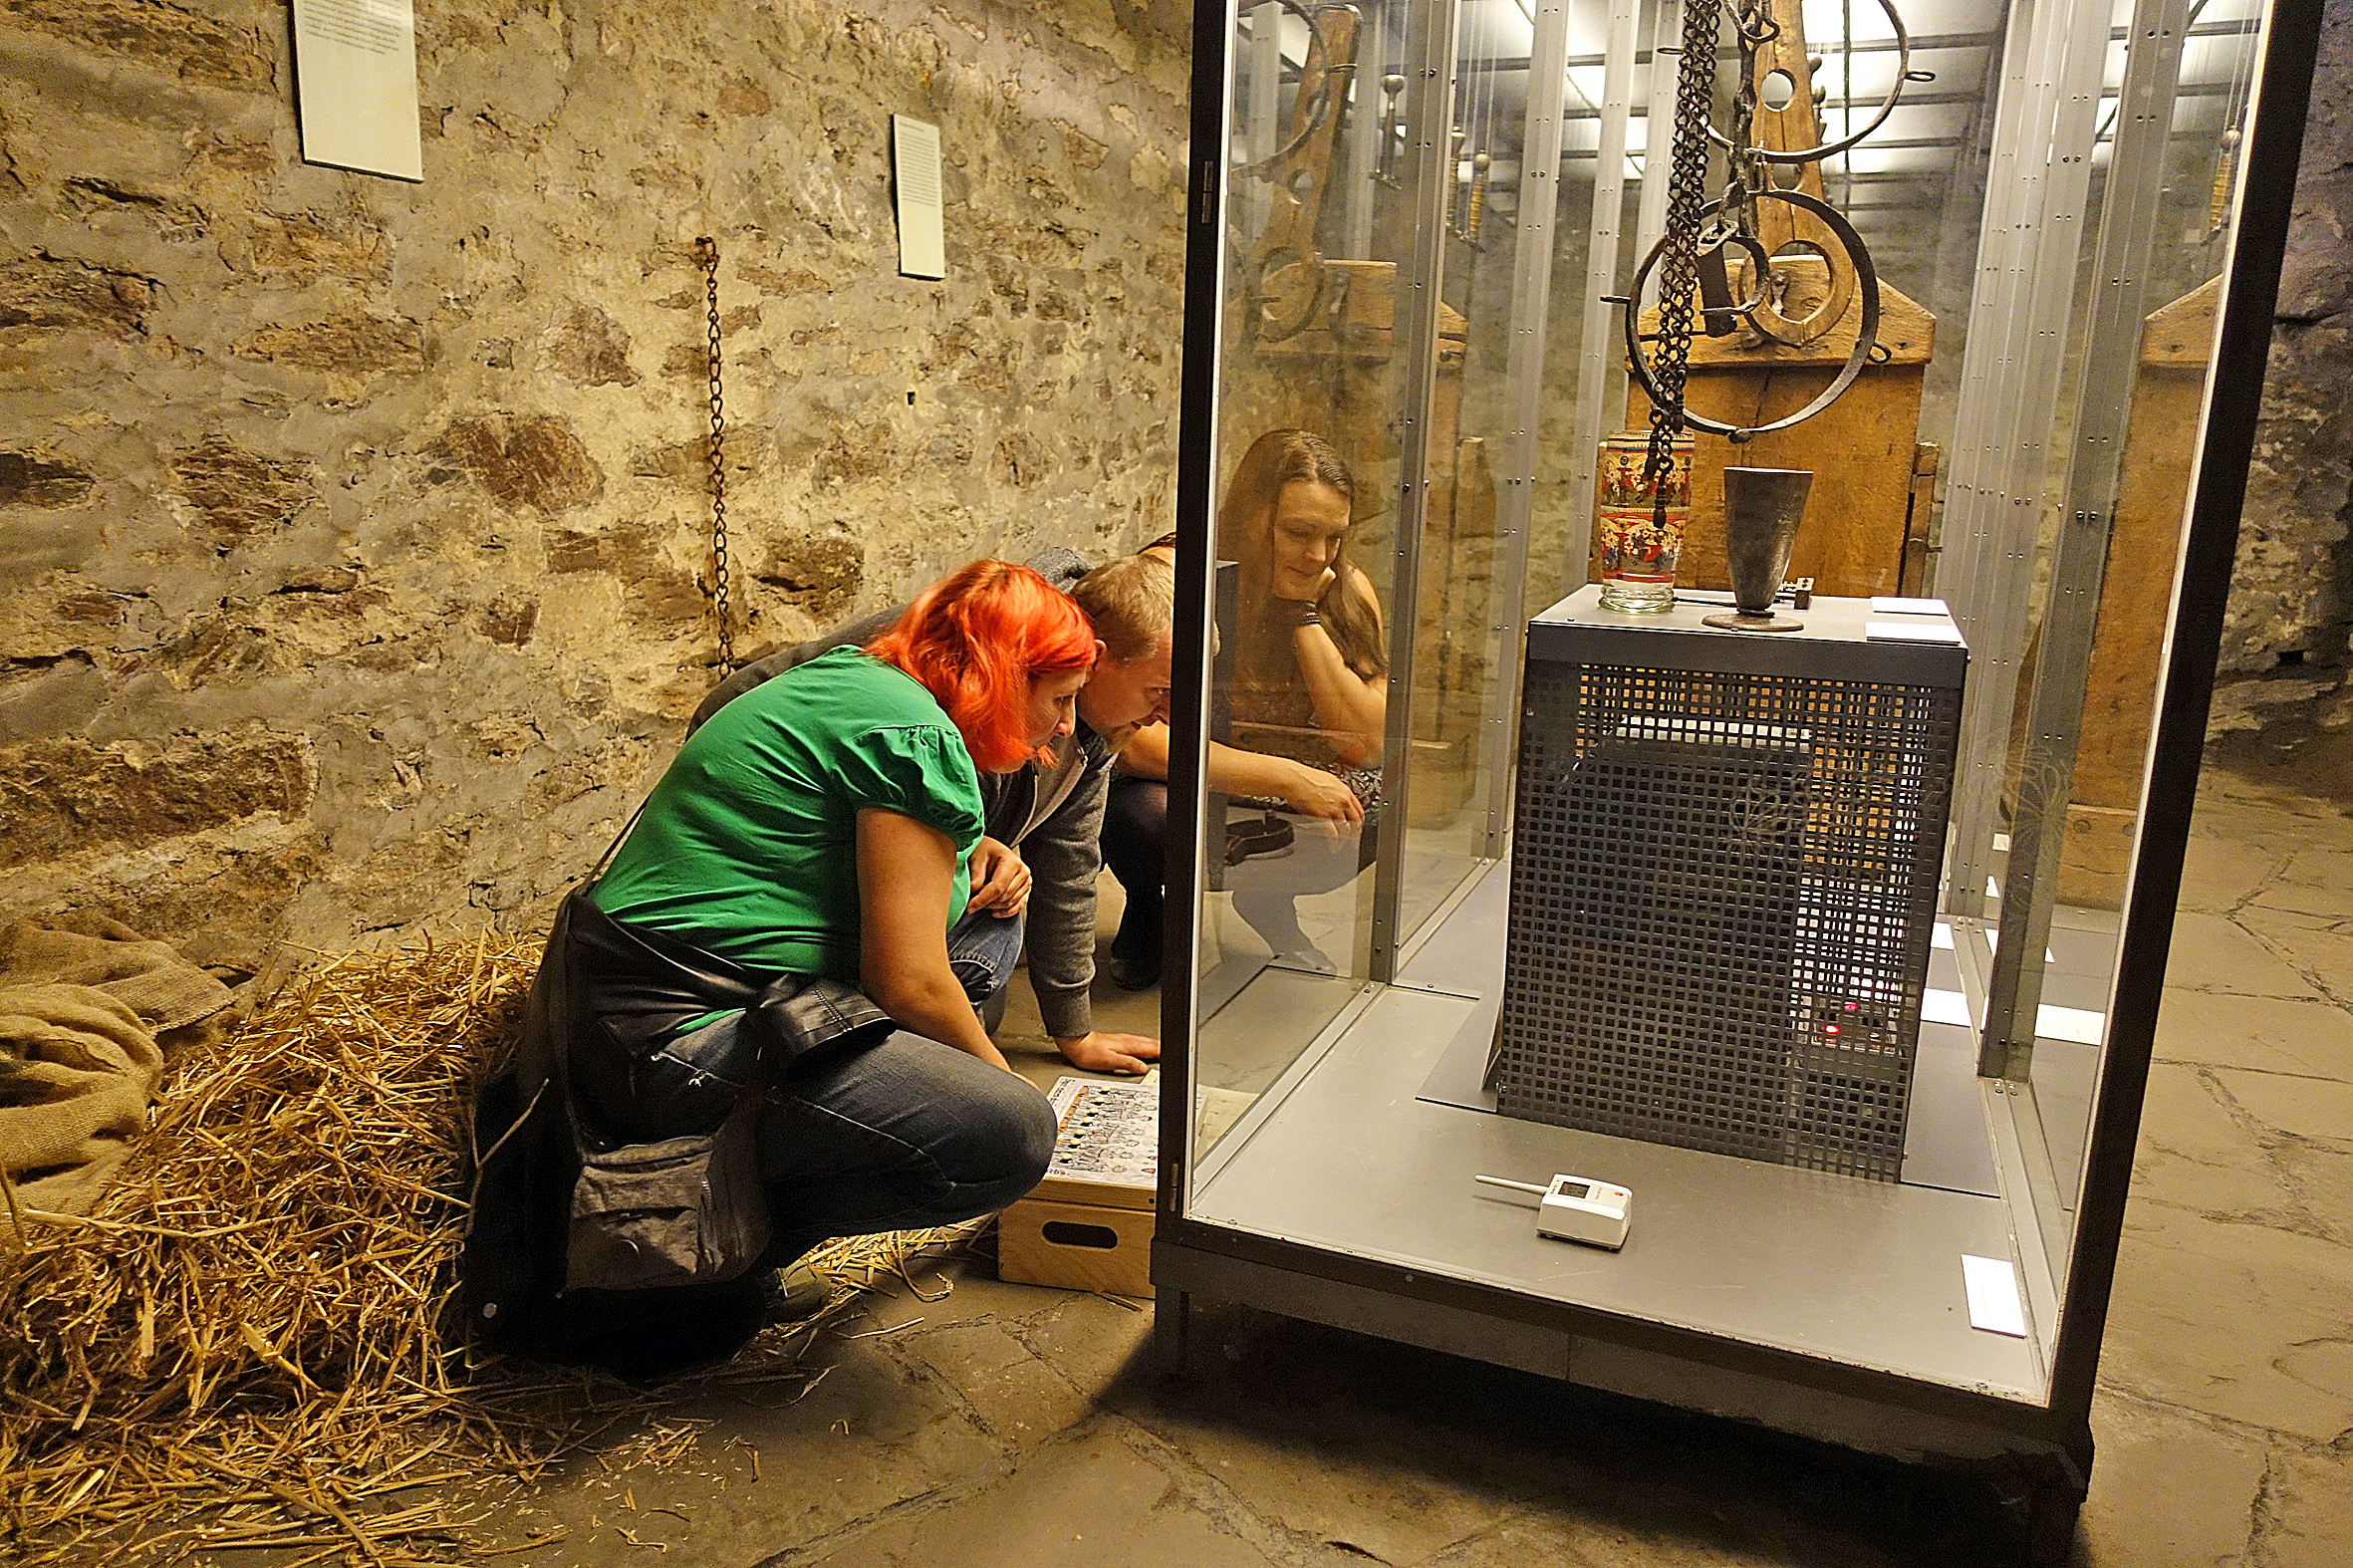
{"type": "Point", "coordinates": [1722, 891]}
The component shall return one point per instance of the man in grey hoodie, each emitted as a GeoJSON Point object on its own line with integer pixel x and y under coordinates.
{"type": "Point", "coordinates": [1053, 815]}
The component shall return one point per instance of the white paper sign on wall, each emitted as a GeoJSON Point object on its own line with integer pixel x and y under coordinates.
{"type": "Point", "coordinates": [355, 83]}
{"type": "Point", "coordinates": [914, 160]}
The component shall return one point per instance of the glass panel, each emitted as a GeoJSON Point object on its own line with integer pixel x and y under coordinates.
{"type": "Point", "coordinates": [1459, 685]}
{"type": "Point", "coordinates": [2099, 635]}
{"type": "Point", "coordinates": [1732, 864]}
{"type": "Point", "coordinates": [1321, 184]}
{"type": "Point", "coordinates": [1600, 230]}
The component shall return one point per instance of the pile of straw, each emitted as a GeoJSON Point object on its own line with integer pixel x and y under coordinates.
{"type": "Point", "coordinates": [242, 1346]}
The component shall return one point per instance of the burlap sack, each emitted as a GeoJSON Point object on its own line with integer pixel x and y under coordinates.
{"type": "Point", "coordinates": [149, 978]}
{"type": "Point", "coordinates": [82, 999]}
{"type": "Point", "coordinates": [77, 1069]}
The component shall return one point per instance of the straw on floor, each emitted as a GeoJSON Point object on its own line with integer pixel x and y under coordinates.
{"type": "Point", "coordinates": [242, 1346]}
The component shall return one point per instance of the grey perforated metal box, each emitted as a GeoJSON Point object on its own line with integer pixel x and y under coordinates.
{"type": "Point", "coordinates": [1725, 877]}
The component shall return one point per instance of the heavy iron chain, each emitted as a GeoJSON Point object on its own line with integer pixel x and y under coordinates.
{"type": "Point", "coordinates": [706, 252]}
{"type": "Point", "coordinates": [1753, 25]}
{"type": "Point", "coordinates": [1678, 261]}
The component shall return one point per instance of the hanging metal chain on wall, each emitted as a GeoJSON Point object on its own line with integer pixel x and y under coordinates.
{"type": "Point", "coordinates": [706, 252]}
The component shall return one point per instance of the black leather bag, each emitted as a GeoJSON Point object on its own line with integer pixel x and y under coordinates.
{"type": "Point", "coordinates": [683, 1211]}
{"type": "Point", "coordinates": [668, 1192]}
{"type": "Point", "coordinates": [616, 1183]}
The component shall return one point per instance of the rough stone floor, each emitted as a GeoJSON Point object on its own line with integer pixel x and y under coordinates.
{"type": "Point", "coordinates": [1015, 1427]}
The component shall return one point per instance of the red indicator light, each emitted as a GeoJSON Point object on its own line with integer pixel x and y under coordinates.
{"type": "Point", "coordinates": [1830, 1028]}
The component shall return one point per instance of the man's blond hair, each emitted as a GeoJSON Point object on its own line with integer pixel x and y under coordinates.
{"type": "Point", "coordinates": [1133, 603]}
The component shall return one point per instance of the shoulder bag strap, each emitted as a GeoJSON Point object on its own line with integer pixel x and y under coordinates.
{"type": "Point", "coordinates": [619, 839]}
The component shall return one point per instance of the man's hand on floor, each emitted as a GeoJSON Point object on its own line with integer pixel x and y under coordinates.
{"type": "Point", "coordinates": [1101, 1051]}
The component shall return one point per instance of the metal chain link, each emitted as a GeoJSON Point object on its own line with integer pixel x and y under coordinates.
{"type": "Point", "coordinates": [707, 253]}
{"type": "Point", "coordinates": [1678, 261]}
{"type": "Point", "coordinates": [1754, 26]}
{"type": "Point", "coordinates": [1674, 262]}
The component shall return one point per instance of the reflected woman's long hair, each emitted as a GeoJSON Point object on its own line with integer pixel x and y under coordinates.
{"type": "Point", "coordinates": [1245, 529]}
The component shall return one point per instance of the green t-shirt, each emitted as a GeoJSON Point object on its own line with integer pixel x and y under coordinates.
{"type": "Point", "coordinates": [748, 847]}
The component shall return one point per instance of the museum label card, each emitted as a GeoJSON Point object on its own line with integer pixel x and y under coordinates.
{"type": "Point", "coordinates": [1993, 1287]}
{"type": "Point", "coordinates": [1924, 630]}
{"type": "Point", "coordinates": [914, 160]}
{"type": "Point", "coordinates": [355, 74]}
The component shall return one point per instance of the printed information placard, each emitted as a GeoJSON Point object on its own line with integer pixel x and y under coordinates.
{"type": "Point", "coordinates": [355, 79]}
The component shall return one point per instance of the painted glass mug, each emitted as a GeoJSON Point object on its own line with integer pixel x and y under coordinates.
{"type": "Point", "coordinates": [1638, 540]}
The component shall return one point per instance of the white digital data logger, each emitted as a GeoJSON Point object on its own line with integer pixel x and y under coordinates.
{"type": "Point", "coordinates": [1578, 1209]}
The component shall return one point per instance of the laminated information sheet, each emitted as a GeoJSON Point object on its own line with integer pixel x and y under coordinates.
{"type": "Point", "coordinates": [1108, 1131]}
{"type": "Point", "coordinates": [355, 74]}
{"type": "Point", "coordinates": [914, 161]}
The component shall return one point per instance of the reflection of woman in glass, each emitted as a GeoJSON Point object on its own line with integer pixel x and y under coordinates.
{"type": "Point", "coordinates": [1307, 700]}
{"type": "Point", "coordinates": [1310, 677]}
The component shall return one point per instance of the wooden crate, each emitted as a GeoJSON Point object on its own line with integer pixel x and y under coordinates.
{"type": "Point", "coordinates": [1088, 1225]}
{"type": "Point", "coordinates": [1046, 1240]}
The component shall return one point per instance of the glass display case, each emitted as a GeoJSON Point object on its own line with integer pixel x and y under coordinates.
{"type": "Point", "coordinates": [1818, 900]}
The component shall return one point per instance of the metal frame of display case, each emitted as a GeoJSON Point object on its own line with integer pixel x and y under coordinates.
{"type": "Point", "coordinates": [2046, 1448]}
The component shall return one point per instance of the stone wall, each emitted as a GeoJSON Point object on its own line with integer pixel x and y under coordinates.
{"type": "Point", "coordinates": [354, 534]}
{"type": "Point", "coordinates": [2285, 652]}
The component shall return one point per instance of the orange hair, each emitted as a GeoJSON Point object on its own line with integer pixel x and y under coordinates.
{"type": "Point", "coordinates": [976, 638]}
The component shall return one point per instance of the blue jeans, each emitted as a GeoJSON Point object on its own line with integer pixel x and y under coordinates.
{"type": "Point", "coordinates": [905, 1135]}
{"type": "Point", "coordinates": [983, 950]}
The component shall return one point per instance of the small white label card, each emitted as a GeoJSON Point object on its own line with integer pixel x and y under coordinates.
{"type": "Point", "coordinates": [1911, 632]}
{"type": "Point", "coordinates": [1993, 1286]}
{"type": "Point", "coordinates": [1884, 605]}
{"type": "Point", "coordinates": [355, 78]}
{"type": "Point", "coordinates": [914, 160]}
{"type": "Point", "coordinates": [1941, 1006]}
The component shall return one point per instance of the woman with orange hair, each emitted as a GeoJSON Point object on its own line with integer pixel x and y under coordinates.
{"type": "Point", "coordinates": [828, 824]}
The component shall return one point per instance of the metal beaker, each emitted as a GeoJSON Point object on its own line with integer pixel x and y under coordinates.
{"type": "Point", "coordinates": [1761, 510]}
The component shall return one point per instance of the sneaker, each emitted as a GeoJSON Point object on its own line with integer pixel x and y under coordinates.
{"type": "Point", "coordinates": [795, 1292]}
